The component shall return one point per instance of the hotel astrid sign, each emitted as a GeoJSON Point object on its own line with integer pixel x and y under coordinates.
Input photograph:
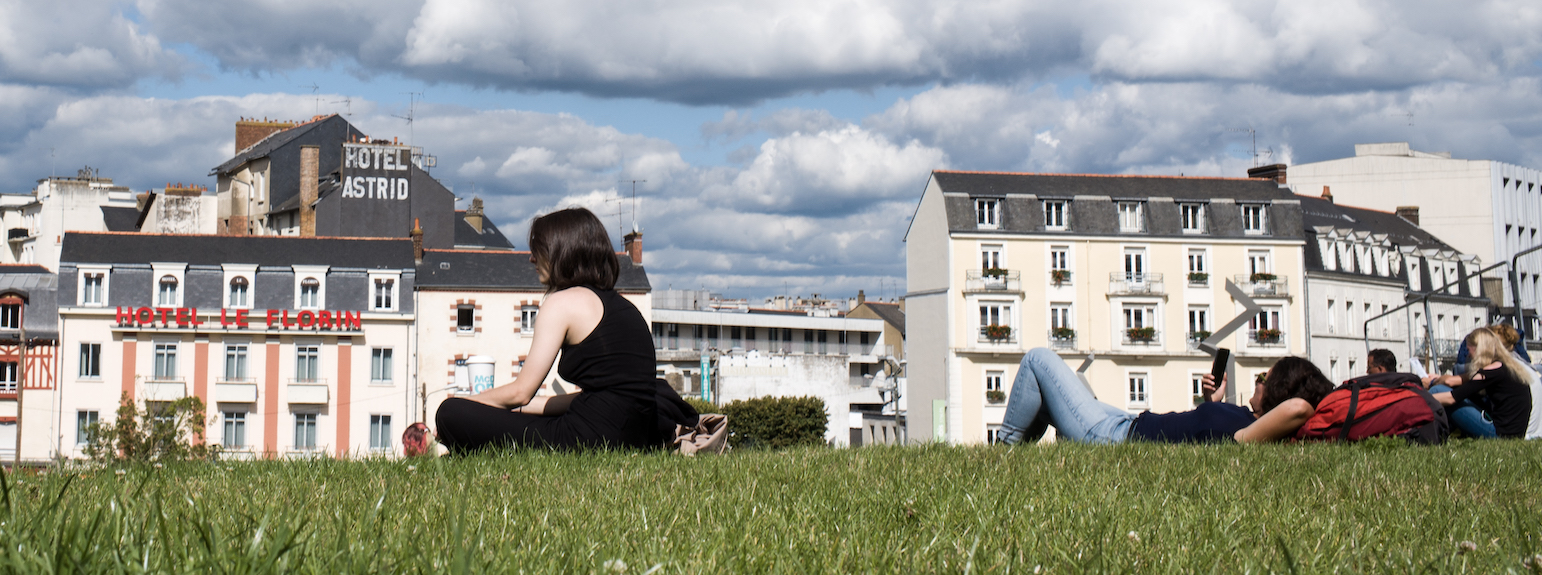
{"type": "Point", "coordinates": [239, 319]}
{"type": "Point", "coordinates": [376, 172]}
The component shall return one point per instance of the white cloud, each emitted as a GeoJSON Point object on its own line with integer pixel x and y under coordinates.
{"type": "Point", "coordinates": [79, 45]}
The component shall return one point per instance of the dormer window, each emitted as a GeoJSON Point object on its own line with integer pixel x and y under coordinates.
{"type": "Point", "coordinates": [167, 294]}
{"type": "Point", "coordinates": [310, 293]}
{"type": "Point", "coordinates": [238, 292]}
{"type": "Point", "coordinates": [987, 213]}
{"type": "Point", "coordinates": [1131, 217]}
{"type": "Point", "coordinates": [91, 290]}
{"type": "Point", "coordinates": [1253, 219]}
{"type": "Point", "coordinates": [1193, 216]}
{"type": "Point", "coordinates": [1054, 214]}
{"type": "Point", "coordinates": [385, 291]}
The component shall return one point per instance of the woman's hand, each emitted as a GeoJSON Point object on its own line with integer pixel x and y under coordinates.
{"type": "Point", "coordinates": [1279, 423]}
{"type": "Point", "coordinates": [1212, 391]}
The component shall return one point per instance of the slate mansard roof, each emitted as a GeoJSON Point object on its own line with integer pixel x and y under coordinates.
{"type": "Point", "coordinates": [491, 237]}
{"type": "Point", "coordinates": [40, 288]}
{"type": "Point", "coordinates": [504, 270]}
{"type": "Point", "coordinates": [1092, 203]}
{"type": "Point", "coordinates": [135, 248]}
{"type": "Point", "coordinates": [1317, 212]}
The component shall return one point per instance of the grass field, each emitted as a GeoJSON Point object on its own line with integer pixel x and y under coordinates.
{"type": "Point", "coordinates": [1371, 508]}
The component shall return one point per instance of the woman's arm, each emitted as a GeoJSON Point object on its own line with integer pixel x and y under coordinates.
{"type": "Point", "coordinates": [563, 313]}
{"type": "Point", "coordinates": [1479, 383]}
{"type": "Point", "coordinates": [1279, 423]}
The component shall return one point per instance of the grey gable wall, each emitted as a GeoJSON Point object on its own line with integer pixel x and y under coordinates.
{"type": "Point", "coordinates": [274, 289]}
{"type": "Point", "coordinates": [348, 290]}
{"type": "Point", "coordinates": [68, 284]}
{"type": "Point", "coordinates": [130, 287]}
{"type": "Point", "coordinates": [205, 288]}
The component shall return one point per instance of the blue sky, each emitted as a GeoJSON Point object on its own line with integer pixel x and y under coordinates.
{"type": "Point", "coordinates": [783, 144]}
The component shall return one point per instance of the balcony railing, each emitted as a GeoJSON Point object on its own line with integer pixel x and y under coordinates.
{"type": "Point", "coordinates": [1059, 339]}
{"type": "Point", "coordinates": [1198, 279]}
{"type": "Point", "coordinates": [1008, 281]}
{"type": "Point", "coordinates": [1444, 347]}
{"type": "Point", "coordinates": [1263, 285]}
{"type": "Point", "coordinates": [18, 234]}
{"type": "Point", "coordinates": [1059, 278]}
{"type": "Point", "coordinates": [1137, 337]}
{"type": "Point", "coordinates": [1135, 284]}
{"type": "Point", "coordinates": [1194, 338]}
{"type": "Point", "coordinates": [1266, 337]}
{"type": "Point", "coordinates": [1010, 337]}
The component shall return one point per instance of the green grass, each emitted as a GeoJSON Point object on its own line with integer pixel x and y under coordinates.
{"type": "Point", "coordinates": [1370, 508]}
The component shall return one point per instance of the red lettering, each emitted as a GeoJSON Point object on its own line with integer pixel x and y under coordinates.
{"type": "Point", "coordinates": [272, 317]}
{"type": "Point", "coordinates": [144, 315]}
{"type": "Point", "coordinates": [325, 319]}
{"type": "Point", "coordinates": [124, 315]}
{"type": "Point", "coordinates": [241, 318]}
{"type": "Point", "coordinates": [306, 319]}
{"type": "Point", "coordinates": [181, 316]}
{"type": "Point", "coordinates": [196, 322]}
{"type": "Point", "coordinates": [285, 321]}
{"type": "Point", "coordinates": [163, 311]}
{"type": "Point", "coordinates": [224, 321]}
{"type": "Point", "coordinates": [355, 320]}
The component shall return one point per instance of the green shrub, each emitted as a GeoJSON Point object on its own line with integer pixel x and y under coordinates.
{"type": "Point", "coordinates": [160, 432]}
{"type": "Point", "coordinates": [702, 405]}
{"type": "Point", "coordinates": [776, 422]}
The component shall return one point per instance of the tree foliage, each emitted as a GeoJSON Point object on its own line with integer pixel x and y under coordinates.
{"type": "Point", "coordinates": [776, 422]}
{"type": "Point", "coordinates": [161, 431]}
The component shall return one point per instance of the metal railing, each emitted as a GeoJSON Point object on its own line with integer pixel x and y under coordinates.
{"type": "Point", "coordinates": [1062, 341]}
{"type": "Point", "coordinates": [1267, 337]}
{"type": "Point", "coordinates": [1059, 278]}
{"type": "Point", "coordinates": [1275, 286]}
{"type": "Point", "coordinates": [1442, 347]}
{"type": "Point", "coordinates": [1135, 284]}
{"type": "Point", "coordinates": [1131, 339]}
{"type": "Point", "coordinates": [1009, 338]}
{"type": "Point", "coordinates": [976, 280]}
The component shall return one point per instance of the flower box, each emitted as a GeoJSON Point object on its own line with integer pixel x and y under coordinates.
{"type": "Point", "coordinates": [997, 332]}
{"type": "Point", "coordinates": [1059, 276]}
{"type": "Point", "coordinates": [1198, 277]}
{"type": "Point", "coordinates": [1262, 277]}
{"type": "Point", "coordinates": [994, 273]}
{"type": "Point", "coordinates": [1267, 335]}
{"type": "Point", "coordinates": [1200, 335]}
{"type": "Point", "coordinates": [1063, 333]}
{"type": "Point", "coordinates": [1141, 333]}
{"type": "Point", "coordinates": [995, 396]}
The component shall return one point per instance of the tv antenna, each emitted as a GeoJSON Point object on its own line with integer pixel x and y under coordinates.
{"type": "Point", "coordinates": [1409, 115]}
{"type": "Point", "coordinates": [1253, 135]}
{"type": "Point", "coordinates": [412, 112]}
{"type": "Point", "coordinates": [314, 88]}
{"type": "Point", "coordinates": [634, 200]}
{"type": "Point", "coordinates": [346, 102]}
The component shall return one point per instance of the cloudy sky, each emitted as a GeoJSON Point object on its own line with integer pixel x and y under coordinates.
{"type": "Point", "coordinates": [784, 144]}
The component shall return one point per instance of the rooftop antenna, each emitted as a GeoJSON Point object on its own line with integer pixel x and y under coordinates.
{"type": "Point", "coordinates": [412, 112]}
{"type": "Point", "coordinates": [1409, 115]}
{"type": "Point", "coordinates": [634, 201]}
{"type": "Point", "coordinates": [347, 102]}
{"type": "Point", "coordinates": [1253, 135]}
{"type": "Point", "coordinates": [314, 88]}
{"type": "Point", "coordinates": [619, 210]}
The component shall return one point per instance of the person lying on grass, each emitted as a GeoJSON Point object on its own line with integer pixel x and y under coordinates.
{"type": "Point", "coordinates": [1046, 392]}
{"type": "Point", "coordinates": [607, 351]}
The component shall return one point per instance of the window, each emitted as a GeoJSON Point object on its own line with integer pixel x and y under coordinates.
{"type": "Point", "coordinates": [465, 319]}
{"type": "Point", "coordinates": [749, 337]}
{"type": "Point", "coordinates": [1054, 214]}
{"type": "Point", "coordinates": [238, 289]}
{"type": "Point", "coordinates": [1130, 219]}
{"type": "Point", "coordinates": [310, 293]}
{"type": "Point", "coordinates": [808, 341]}
{"type": "Point", "coordinates": [1197, 262]}
{"type": "Point", "coordinates": [7, 377]}
{"type": "Point", "coordinates": [235, 362]}
{"type": "Point", "coordinates": [1333, 317]}
{"type": "Point", "coordinates": [379, 432]}
{"type": "Point", "coordinates": [384, 290]}
{"type": "Point", "coordinates": [84, 421]}
{"type": "Point", "coordinates": [1059, 258]}
{"type": "Point", "coordinates": [993, 380]}
{"type": "Point", "coordinates": [1266, 326]}
{"type": "Point", "coordinates": [10, 316]}
{"type": "Point", "coordinates": [1197, 387]}
{"type": "Point", "coordinates": [1193, 216]}
{"type": "Point", "coordinates": [380, 365]}
{"type": "Point", "coordinates": [1138, 391]}
{"type": "Point", "coordinates": [1135, 265]}
{"type": "Point", "coordinates": [1258, 262]}
{"type": "Point", "coordinates": [1349, 318]}
{"type": "Point", "coordinates": [987, 212]}
{"type": "Point", "coordinates": [306, 362]}
{"type": "Point", "coordinates": [235, 430]}
{"type": "Point", "coordinates": [1060, 316]}
{"type": "Point", "coordinates": [527, 319]}
{"type": "Point", "coordinates": [1253, 221]}
{"type": "Point", "coordinates": [995, 313]}
{"type": "Point", "coordinates": [91, 360]}
{"type": "Point", "coordinates": [1139, 315]}
{"type": "Point", "coordinates": [1199, 321]}
{"type": "Point", "coordinates": [304, 431]}
{"type": "Point", "coordinates": [990, 257]}
{"type": "Point", "coordinates": [992, 433]}
{"type": "Point", "coordinates": [167, 296]}
{"type": "Point", "coordinates": [91, 291]}
{"type": "Point", "coordinates": [736, 334]}
{"type": "Point", "coordinates": [713, 337]}
{"type": "Point", "coordinates": [165, 361]}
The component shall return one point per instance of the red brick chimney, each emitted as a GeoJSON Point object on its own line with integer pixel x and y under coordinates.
{"type": "Point", "coordinates": [1410, 213]}
{"type": "Point", "coordinates": [1274, 172]}
{"type": "Point", "coordinates": [633, 244]}
{"type": "Point", "coordinates": [251, 131]}
{"type": "Point", "coordinates": [1327, 195]}
{"type": "Point", "coordinates": [310, 161]}
{"type": "Point", "coordinates": [417, 241]}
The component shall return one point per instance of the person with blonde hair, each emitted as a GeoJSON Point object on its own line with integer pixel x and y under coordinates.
{"type": "Point", "coordinates": [1496, 382]}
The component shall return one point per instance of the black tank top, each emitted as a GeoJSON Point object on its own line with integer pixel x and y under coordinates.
{"type": "Point", "coordinates": [617, 355]}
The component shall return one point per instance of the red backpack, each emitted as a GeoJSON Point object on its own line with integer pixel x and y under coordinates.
{"type": "Point", "coordinates": [1384, 404]}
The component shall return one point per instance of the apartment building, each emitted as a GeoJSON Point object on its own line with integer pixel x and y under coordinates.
{"type": "Point", "coordinates": [35, 222]}
{"type": "Point", "coordinates": [1124, 273]}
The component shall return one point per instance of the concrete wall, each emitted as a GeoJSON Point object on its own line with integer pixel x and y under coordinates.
{"type": "Point", "coordinates": [827, 377]}
{"type": "Point", "coordinates": [927, 318]}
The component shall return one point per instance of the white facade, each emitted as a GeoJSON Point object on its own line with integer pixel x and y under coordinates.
{"type": "Point", "coordinates": [35, 222]}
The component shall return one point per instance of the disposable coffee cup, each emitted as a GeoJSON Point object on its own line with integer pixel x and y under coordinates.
{"type": "Point", "coordinates": [480, 369]}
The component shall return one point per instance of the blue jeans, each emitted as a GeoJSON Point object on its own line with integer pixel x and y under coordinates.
{"type": "Point", "coordinates": [1467, 416]}
{"type": "Point", "coordinates": [1046, 392]}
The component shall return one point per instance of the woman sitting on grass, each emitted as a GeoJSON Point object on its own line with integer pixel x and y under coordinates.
{"type": "Point", "coordinates": [1046, 392]}
{"type": "Point", "coordinates": [607, 351]}
{"type": "Point", "coordinates": [1493, 399]}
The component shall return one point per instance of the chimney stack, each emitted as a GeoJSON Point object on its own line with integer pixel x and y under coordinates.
{"type": "Point", "coordinates": [417, 241]}
{"type": "Point", "coordinates": [251, 131]}
{"type": "Point", "coordinates": [633, 244]}
{"type": "Point", "coordinates": [474, 214]}
{"type": "Point", "coordinates": [310, 160]}
{"type": "Point", "coordinates": [1328, 195]}
{"type": "Point", "coordinates": [861, 297]}
{"type": "Point", "coordinates": [1274, 172]}
{"type": "Point", "coordinates": [1410, 213]}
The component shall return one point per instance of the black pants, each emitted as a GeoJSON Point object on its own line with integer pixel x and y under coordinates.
{"type": "Point", "coordinates": [594, 420]}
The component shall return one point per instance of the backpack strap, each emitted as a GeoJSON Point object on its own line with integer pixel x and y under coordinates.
{"type": "Point", "coordinates": [1354, 398]}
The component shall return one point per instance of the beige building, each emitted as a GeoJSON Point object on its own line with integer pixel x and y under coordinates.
{"type": "Point", "coordinates": [1127, 271]}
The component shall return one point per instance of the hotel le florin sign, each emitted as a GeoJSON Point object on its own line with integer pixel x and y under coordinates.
{"type": "Point", "coordinates": [240, 319]}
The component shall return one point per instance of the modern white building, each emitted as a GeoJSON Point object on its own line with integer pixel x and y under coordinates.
{"type": "Point", "coordinates": [1489, 209]}
{"type": "Point", "coordinates": [35, 222]}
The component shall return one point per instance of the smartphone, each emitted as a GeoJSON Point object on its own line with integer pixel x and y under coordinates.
{"type": "Point", "coordinates": [1218, 368]}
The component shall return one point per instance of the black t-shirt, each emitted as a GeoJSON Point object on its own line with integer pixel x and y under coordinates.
{"type": "Point", "coordinates": [1209, 422]}
{"type": "Point", "coordinates": [1509, 400]}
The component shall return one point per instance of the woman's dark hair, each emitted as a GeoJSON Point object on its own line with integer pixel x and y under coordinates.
{"type": "Point", "coordinates": [572, 243]}
{"type": "Point", "coordinates": [1294, 377]}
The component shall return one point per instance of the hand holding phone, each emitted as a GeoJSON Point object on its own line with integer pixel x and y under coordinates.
{"type": "Point", "coordinates": [1218, 370]}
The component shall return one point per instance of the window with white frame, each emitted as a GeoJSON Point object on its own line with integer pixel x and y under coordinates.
{"type": "Point", "coordinates": [1197, 263]}
{"type": "Point", "coordinates": [995, 314]}
{"type": "Point", "coordinates": [1333, 316]}
{"type": "Point", "coordinates": [1060, 315]}
{"type": "Point", "coordinates": [1059, 258]}
{"type": "Point", "coordinates": [987, 212]}
{"type": "Point", "coordinates": [235, 361]}
{"type": "Point", "coordinates": [1139, 315]}
{"type": "Point", "coordinates": [167, 293]}
{"type": "Point", "coordinates": [238, 298]}
{"type": "Point", "coordinates": [1349, 317]}
{"type": "Point", "coordinates": [93, 290]}
{"type": "Point", "coordinates": [10, 316]}
{"type": "Point", "coordinates": [527, 319]}
{"type": "Point", "coordinates": [1193, 216]}
{"type": "Point", "coordinates": [165, 361]}
{"type": "Point", "coordinates": [992, 433]}
{"type": "Point", "coordinates": [385, 294]}
{"type": "Point", "coordinates": [1197, 387]}
{"type": "Point", "coordinates": [235, 430]}
{"type": "Point", "coordinates": [990, 257]}
{"type": "Point", "coordinates": [307, 362]}
{"type": "Point", "coordinates": [1253, 218]}
{"type": "Point", "coordinates": [1135, 265]}
{"type": "Point", "coordinates": [1258, 262]}
{"type": "Point", "coordinates": [85, 421]}
{"type": "Point", "coordinates": [310, 287]}
{"type": "Point", "coordinates": [8, 373]}
{"type": "Point", "coordinates": [993, 380]}
{"type": "Point", "coordinates": [465, 319]}
{"type": "Point", "coordinates": [1131, 218]}
{"type": "Point", "coordinates": [1199, 321]}
{"type": "Point", "coordinates": [1054, 215]}
{"type": "Point", "coordinates": [1138, 390]}
{"type": "Point", "coordinates": [380, 368]}
{"type": "Point", "coordinates": [90, 360]}
{"type": "Point", "coordinates": [1268, 319]}
{"type": "Point", "coordinates": [304, 431]}
{"type": "Point", "coordinates": [380, 432]}
{"type": "Point", "coordinates": [310, 293]}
